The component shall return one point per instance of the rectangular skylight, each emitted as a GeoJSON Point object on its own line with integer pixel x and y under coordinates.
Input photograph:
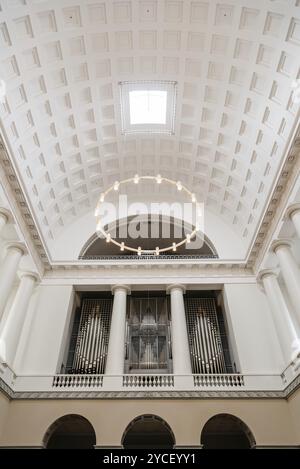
{"type": "Point", "coordinates": [148, 106]}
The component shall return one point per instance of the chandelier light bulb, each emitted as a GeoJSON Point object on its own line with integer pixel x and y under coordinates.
{"type": "Point", "coordinates": [99, 226]}
{"type": "Point", "coordinates": [136, 179]}
{"type": "Point", "coordinates": [122, 246]}
{"type": "Point", "coordinates": [179, 185]}
{"type": "Point", "coordinates": [194, 200]}
{"type": "Point", "coordinates": [158, 179]}
{"type": "Point", "coordinates": [108, 237]}
{"type": "Point", "coordinates": [139, 251]}
{"type": "Point", "coordinates": [97, 210]}
{"type": "Point", "coordinates": [174, 247]}
{"type": "Point", "coordinates": [157, 251]}
{"type": "Point", "coordinates": [102, 198]}
{"type": "Point", "coordinates": [116, 186]}
{"type": "Point", "coordinates": [188, 238]}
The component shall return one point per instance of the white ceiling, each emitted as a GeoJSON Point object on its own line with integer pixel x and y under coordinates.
{"type": "Point", "coordinates": [234, 62]}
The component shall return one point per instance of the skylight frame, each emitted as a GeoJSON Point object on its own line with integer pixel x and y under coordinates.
{"type": "Point", "coordinates": [127, 86]}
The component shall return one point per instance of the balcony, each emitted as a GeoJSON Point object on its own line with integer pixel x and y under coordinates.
{"type": "Point", "coordinates": [158, 384]}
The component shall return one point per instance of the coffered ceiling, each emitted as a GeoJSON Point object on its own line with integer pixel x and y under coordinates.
{"type": "Point", "coordinates": [234, 62]}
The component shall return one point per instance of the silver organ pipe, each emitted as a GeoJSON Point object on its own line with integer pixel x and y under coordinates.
{"type": "Point", "coordinates": [148, 335]}
{"type": "Point", "coordinates": [204, 336]}
{"type": "Point", "coordinates": [92, 339]}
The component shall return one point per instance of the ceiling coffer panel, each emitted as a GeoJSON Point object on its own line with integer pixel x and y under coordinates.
{"type": "Point", "coordinates": [234, 64]}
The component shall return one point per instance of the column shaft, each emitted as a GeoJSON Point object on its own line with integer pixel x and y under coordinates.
{"type": "Point", "coordinates": [180, 343]}
{"type": "Point", "coordinates": [283, 322]}
{"type": "Point", "coordinates": [116, 345]}
{"type": "Point", "coordinates": [295, 217]}
{"type": "Point", "coordinates": [3, 221]}
{"type": "Point", "coordinates": [12, 328]}
{"type": "Point", "coordinates": [8, 274]}
{"type": "Point", "coordinates": [291, 275]}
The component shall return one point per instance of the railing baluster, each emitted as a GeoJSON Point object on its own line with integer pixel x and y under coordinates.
{"type": "Point", "coordinates": [218, 380]}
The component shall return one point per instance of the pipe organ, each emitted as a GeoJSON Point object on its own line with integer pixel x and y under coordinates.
{"type": "Point", "coordinates": [90, 351]}
{"type": "Point", "coordinates": [148, 342]}
{"type": "Point", "coordinates": [206, 347]}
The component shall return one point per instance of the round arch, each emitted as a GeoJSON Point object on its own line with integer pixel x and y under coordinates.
{"type": "Point", "coordinates": [203, 246]}
{"type": "Point", "coordinates": [226, 431]}
{"type": "Point", "coordinates": [148, 431]}
{"type": "Point", "coordinates": [70, 431]}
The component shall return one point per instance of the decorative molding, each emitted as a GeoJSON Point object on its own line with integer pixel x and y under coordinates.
{"type": "Point", "coordinates": [21, 209]}
{"type": "Point", "coordinates": [170, 394]}
{"type": "Point", "coordinates": [277, 205]}
{"type": "Point", "coordinates": [292, 387]}
{"type": "Point", "coordinates": [278, 243]}
{"type": "Point", "coordinates": [294, 208]}
{"type": "Point", "coordinates": [149, 395]}
{"type": "Point", "coordinates": [6, 389]}
{"type": "Point", "coordinates": [7, 215]}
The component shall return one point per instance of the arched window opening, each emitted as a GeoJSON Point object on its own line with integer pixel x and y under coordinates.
{"type": "Point", "coordinates": [225, 431]}
{"type": "Point", "coordinates": [148, 431]}
{"type": "Point", "coordinates": [70, 432]}
{"type": "Point", "coordinates": [161, 232]}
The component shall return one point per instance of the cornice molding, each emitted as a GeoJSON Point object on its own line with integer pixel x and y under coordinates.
{"type": "Point", "coordinates": [171, 394]}
{"type": "Point", "coordinates": [21, 209]}
{"type": "Point", "coordinates": [277, 206]}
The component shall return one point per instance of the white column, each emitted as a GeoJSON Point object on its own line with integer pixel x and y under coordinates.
{"type": "Point", "coordinates": [12, 328]}
{"type": "Point", "coordinates": [116, 344]}
{"type": "Point", "coordinates": [293, 213]}
{"type": "Point", "coordinates": [180, 343]}
{"type": "Point", "coordinates": [9, 269]}
{"type": "Point", "coordinates": [290, 272]}
{"type": "Point", "coordinates": [285, 328]}
{"type": "Point", "coordinates": [3, 218]}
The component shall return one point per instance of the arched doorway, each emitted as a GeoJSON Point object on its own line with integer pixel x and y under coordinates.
{"type": "Point", "coordinates": [225, 431]}
{"type": "Point", "coordinates": [70, 432]}
{"type": "Point", "coordinates": [148, 431]}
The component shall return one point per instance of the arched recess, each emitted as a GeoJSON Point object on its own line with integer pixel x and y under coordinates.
{"type": "Point", "coordinates": [68, 245]}
{"type": "Point", "coordinates": [148, 431]}
{"type": "Point", "coordinates": [71, 431]}
{"type": "Point", "coordinates": [225, 431]}
{"type": "Point", "coordinates": [201, 245]}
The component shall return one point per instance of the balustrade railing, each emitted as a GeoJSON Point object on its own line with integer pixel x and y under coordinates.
{"type": "Point", "coordinates": [77, 381]}
{"type": "Point", "coordinates": [219, 380]}
{"type": "Point", "coordinates": [145, 381]}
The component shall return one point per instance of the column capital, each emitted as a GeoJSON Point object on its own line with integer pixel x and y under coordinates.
{"type": "Point", "coordinates": [266, 273]}
{"type": "Point", "coordinates": [6, 214]}
{"type": "Point", "coordinates": [17, 246]}
{"type": "Point", "coordinates": [176, 286]}
{"type": "Point", "coordinates": [125, 288]}
{"type": "Point", "coordinates": [278, 243]}
{"type": "Point", "coordinates": [28, 273]}
{"type": "Point", "coordinates": [291, 210]}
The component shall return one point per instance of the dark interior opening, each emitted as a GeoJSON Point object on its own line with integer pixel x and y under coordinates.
{"type": "Point", "coordinates": [70, 432]}
{"type": "Point", "coordinates": [226, 432]}
{"type": "Point", "coordinates": [148, 431]}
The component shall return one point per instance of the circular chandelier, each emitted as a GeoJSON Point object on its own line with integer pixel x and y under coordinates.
{"type": "Point", "coordinates": [136, 180]}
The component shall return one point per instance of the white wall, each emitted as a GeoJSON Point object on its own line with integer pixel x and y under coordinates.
{"type": "Point", "coordinates": [252, 329]}
{"type": "Point", "coordinates": [45, 330]}
{"type": "Point", "coordinates": [227, 243]}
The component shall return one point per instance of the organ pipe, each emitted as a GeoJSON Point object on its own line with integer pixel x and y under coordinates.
{"type": "Point", "coordinates": [204, 336]}
{"type": "Point", "coordinates": [92, 340]}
